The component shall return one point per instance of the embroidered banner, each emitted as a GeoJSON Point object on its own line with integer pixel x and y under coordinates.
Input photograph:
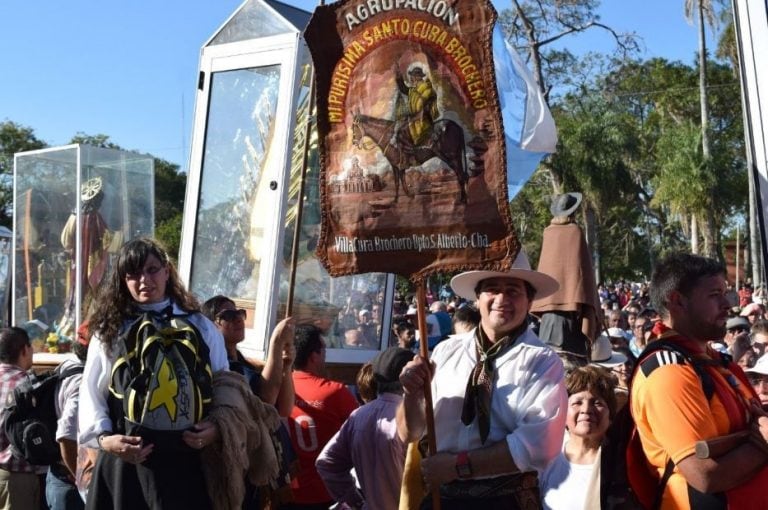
{"type": "Point", "coordinates": [413, 163]}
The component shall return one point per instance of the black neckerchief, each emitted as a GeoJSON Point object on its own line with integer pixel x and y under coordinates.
{"type": "Point", "coordinates": [477, 397]}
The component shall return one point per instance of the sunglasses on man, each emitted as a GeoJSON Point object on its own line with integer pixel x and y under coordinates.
{"type": "Point", "coordinates": [737, 329]}
{"type": "Point", "coordinates": [230, 315]}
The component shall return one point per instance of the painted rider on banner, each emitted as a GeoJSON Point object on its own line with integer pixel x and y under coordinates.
{"type": "Point", "coordinates": [406, 90]}
{"type": "Point", "coordinates": [415, 108]}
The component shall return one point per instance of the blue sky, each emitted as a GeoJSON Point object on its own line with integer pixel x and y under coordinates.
{"type": "Point", "coordinates": [128, 69]}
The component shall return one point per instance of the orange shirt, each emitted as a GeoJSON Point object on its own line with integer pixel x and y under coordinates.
{"type": "Point", "coordinates": [672, 414]}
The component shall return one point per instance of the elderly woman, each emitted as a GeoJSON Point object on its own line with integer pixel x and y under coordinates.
{"type": "Point", "coordinates": [149, 453]}
{"type": "Point", "coordinates": [572, 480]}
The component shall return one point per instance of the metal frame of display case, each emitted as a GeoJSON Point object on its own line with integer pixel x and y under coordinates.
{"type": "Point", "coordinates": [244, 44]}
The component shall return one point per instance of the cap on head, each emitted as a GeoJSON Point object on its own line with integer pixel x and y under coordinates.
{"type": "Point", "coordinates": [464, 284]}
{"type": "Point", "coordinates": [737, 322]}
{"type": "Point", "coordinates": [388, 364]}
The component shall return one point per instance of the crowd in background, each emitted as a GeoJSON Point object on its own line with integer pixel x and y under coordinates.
{"type": "Point", "coordinates": [334, 445]}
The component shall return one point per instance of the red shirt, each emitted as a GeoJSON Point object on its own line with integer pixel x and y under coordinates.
{"type": "Point", "coordinates": [745, 297]}
{"type": "Point", "coordinates": [322, 406]}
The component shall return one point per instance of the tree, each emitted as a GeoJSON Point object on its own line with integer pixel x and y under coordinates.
{"type": "Point", "coordinates": [703, 9]}
{"type": "Point", "coordinates": [13, 138]}
{"type": "Point", "coordinates": [598, 142]}
{"type": "Point", "coordinates": [533, 26]}
{"type": "Point", "coordinates": [170, 190]}
{"type": "Point", "coordinates": [99, 140]}
{"type": "Point", "coordinates": [727, 49]}
{"type": "Point", "coordinates": [662, 97]}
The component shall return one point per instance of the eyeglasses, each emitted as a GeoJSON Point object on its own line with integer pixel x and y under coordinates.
{"type": "Point", "coordinates": [230, 315]}
{"type": "Point", "coordinates": [738, 329]}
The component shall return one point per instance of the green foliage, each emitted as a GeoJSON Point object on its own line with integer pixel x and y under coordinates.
{"type": "Point", "coordinates": [630, 142]}
{"type": "Point", "coordinates": [168, 233]}
{"type": "Point", "coordinates": [684, 180]}
{"type": "Point", "coordinates": [170, 189]}
{"type": "Point", "coordinates": [530, 213]}
{"type": "Point", "coordinates": [99, 140]}
{"type": "Point", "coordinates": [13, 138]}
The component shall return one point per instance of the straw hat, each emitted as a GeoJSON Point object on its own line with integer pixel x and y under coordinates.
{"type": "Point", "coordinates": [464, 284]}
{"type": "Point", "coordinates": [603, 355]}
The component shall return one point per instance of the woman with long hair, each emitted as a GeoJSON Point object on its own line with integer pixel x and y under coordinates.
{"type": "Point", "coordinates": [143, 465]}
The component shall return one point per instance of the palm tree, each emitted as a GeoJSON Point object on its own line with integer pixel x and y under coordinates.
{"type": "Point", "coordinates": [702, 9]}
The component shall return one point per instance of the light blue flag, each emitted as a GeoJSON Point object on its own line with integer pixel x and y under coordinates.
{"type": "Point", "coordinates": [529, 129]}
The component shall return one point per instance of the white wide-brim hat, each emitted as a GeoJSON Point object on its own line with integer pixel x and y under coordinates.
{"type": "Point", "coordinates": [604, 355]}
{"type": "Point", "coordinates": [464, 284]}
{"type": "Point", "coordinates": [761, 367]}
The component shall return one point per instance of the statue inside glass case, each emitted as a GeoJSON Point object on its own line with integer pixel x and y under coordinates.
{"type": "Point", "coordinates": [97, 243]}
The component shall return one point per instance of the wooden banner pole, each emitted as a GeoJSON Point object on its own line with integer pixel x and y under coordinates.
{"type": "Point", "coordinates": [300, 200]}
{"type": "Point", "coordinates": [421, 306]}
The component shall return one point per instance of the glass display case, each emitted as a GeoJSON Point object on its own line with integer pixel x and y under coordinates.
{"type": "Point", "coordinates": [253, 135]}
{"type": "Point", "coordinates": [74, 206]}
{"type": "Point", "coordinates": [6, 239]}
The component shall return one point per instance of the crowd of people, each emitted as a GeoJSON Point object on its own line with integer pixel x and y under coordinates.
{"type": "Point", "coordinates": [168, 413]}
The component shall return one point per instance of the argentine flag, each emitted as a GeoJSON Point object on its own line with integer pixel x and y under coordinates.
{"type": "Point", "coordinates": [529, 129]}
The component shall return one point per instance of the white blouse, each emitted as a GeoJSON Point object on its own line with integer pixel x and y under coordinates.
{"type": "Point", "coordinates": [93, 415]}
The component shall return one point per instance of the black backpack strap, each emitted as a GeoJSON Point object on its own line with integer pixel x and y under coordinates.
{"type": "Point", "coordinates": [665, 352]}
{"type": "Point", "coordinates": [72, 370]}
{"type": "Point", "coordinates": [668, 469]}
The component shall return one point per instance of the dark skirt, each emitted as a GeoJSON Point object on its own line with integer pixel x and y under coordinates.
{"type": "Point", "coordinates": [519, 491]}
{"type": "Point", "coordinates": [562, 332]}
{"type": "Point", "coordinates": [168, 480]}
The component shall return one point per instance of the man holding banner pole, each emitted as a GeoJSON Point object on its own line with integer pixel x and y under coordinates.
{"type": "Point", "coordinates": [499, 397]}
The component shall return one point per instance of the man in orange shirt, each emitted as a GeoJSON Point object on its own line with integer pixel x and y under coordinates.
{"type": "Point", "coordinates": [668, 399]}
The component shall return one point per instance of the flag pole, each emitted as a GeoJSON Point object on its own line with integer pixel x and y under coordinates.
{"type": "Point", "coordinates": [421, 305]}
{"type": "Point", "coordinates": [300, 200]}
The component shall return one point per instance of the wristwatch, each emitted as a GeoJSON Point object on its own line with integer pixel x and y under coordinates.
{"type": "Point", "coordinates": [463, 466]}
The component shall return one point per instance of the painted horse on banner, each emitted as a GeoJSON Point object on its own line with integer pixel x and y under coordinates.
{"type": "Point", "coordinates": [445, 143]}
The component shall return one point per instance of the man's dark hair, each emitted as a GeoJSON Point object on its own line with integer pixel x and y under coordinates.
{"type": "Point", "coordinates": [680, 272]}
{"type": "Point", "coordinates": [12, 342]}
{"type": "Point", "coordinates": [467, 314]}
{"type": "Point", "coordinates": [308, 340]}
{"type": "Point", "coordinates": [401, 325]}
{"type": "Point", "coordinates": [213, 306]}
